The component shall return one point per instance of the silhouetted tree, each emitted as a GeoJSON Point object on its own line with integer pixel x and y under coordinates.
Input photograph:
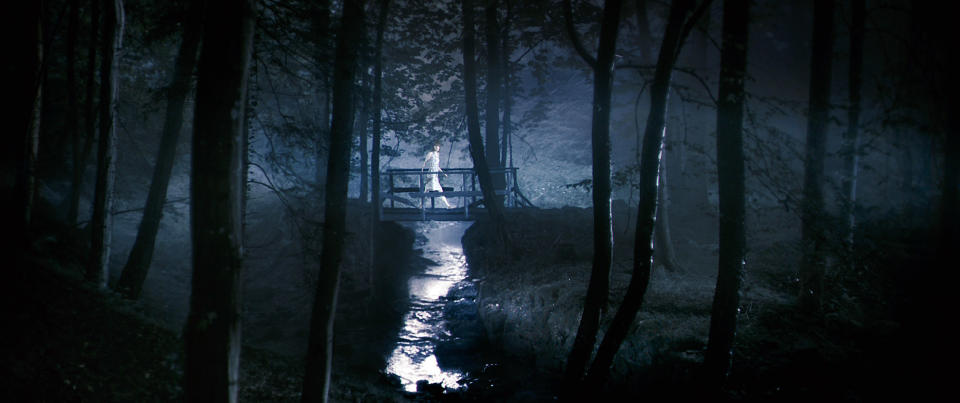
{"type": "Point", "coordinates": [320, 28]}
{"type": "Point", "coordinates": [73, 113]}
{"type": "Point", "coordinates": [377, 113]}
{"type": "Point", "coordinates": [98, 266]}
{"type": "Point", "coordinates": [812, 213]}
{"type": "Point", "coordinates": [212, 333]}
{"type": "Point", "coordinates": [473, 124]}
{"type": "Point", "coordinates": [851, 138]}
{"type": "Point", "coordinates": [493, 94]}
{"type": "Point", "coordinates": [89, 121]}
{"type": "Point", "coordinates": [730, 161]}
{"type": "Point", "coordinates": [598, 288]}
{"type": "Point", "coordinates": [141, 254]}
{"type": "Point", "coordinates": [316, 381]}
{"type": "Point", "coordinates": [683, 16]}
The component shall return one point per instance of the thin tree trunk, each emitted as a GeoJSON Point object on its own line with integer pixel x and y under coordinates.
{"type": "Point", "coordinates": [598, 288]}
{"type": "Point", "coordinates": [678, 27]}
{"type": "Point", "coordinates": [73, 113]}
{"type": "Point", "coordinates": [507, 95]}
{"type": "Point", "coordinates": [363, 115]}
{"type": "Point", "coordinates": [28, 176]}
{"type": "Point", "coordinates": [851, 138]}
{"type": "Point", "coordinates": [135, 271]}
{"type": "Point", "coordinates": [98, 267]}
{"type": "Point", "coordinates": [493, 95]}
{"type": "Point", "coordinates": [320, 27]}
{"type": "Point", "coordinates": [316, 381]}
{"type": "Point", "coordinates": [212, 332]}
{"type": "Point", "coordinates": [663, 241]}
{"type": "Point", "coordinates": [375, 146]}
{"type": "Point", "coordinates": [89, 120]}
{"type": "Point", "coordinates": [473, 124]}
{"type": "Point", "coordinates": [821, 62]}
{"type": "Point", "coordinates": [730, 161]}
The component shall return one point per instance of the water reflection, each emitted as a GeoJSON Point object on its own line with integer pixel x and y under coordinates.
{"type": "Point", "coordinates": [414, 358]}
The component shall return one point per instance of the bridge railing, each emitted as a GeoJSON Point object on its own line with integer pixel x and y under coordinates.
{"type": "Point", "coordinates": [461, 187]}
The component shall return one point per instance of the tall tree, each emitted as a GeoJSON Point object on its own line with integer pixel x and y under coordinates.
{"type": "Point", "coordinates": [493, 92]}
{"type": "Point", "coordinates": [89, 116]}
{"type": "Point", "coordinates": [683, 16]}
{"type": "Point", "coordinates": [598, 288]}
{"type": "Point", "coordinates": [316, 381]}
{"type": "Point", "coordinates": [363, 115]}
{"type": "Point", "coordinates": [812, 226]}
{"type": "Point", "coordinates": [73, 114]}
{"type": "Point", "coordinates": [480, 165]}
{"type": "Point", "coordinates": [102, 223]}
{"type": "Point", "coordinates": [376, 112]}
{"type": "Point", "coordinates": [851, 138]}
{"type": "Point", "coordinates": [212, 332]}
{"type": "Point", "coordinates": [320, 28]}
{"type": "Point", "coordinates": [141, 254]}
{"type": "Point", "coordinates": [730, 160]}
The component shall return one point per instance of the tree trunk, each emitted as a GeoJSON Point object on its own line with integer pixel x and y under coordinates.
{"type": "Point", "coordinates": [212, 332]}
{"type": "Point", "coordinates": [320, 27]}
{"type": "Point", "coordinates": [493, 95]}
{"type": "Point", "coordinates": [821, 62]}
{"type": "Point", "coordinates": [677, 29]}
{"type": "Point", "coordinates": [135, 271]}
{"type": "Point", "coordinates": [643, 31]}
{"type": "Point", "coordinates": [507, 96]}
{"type": "Point", "coordinates": [376, 136]}
{"type": "Point", "coordinates": [663, 241]}
{"type": "Point", "coordinates": [316, 381]}
{"type": "Point", "coordinates": [73, 113]}
{"type": "Point", "coordinates": [98, 267]}
{"type": "Point", "coordinates": [363, 115]}
{"type": "Point", "coordinates": [730, 161]}
{"type": "Point", "coordinates": [851, 138]}
{"type": "Point", "coordinates": [89, 114]}
{"type": "Point", "coordinates": [598, 288]}
{"type": "Point", "coordinates": [473, 124]}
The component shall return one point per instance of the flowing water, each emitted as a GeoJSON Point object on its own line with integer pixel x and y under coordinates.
{"type": "Point", "coordinates": [427, 323]}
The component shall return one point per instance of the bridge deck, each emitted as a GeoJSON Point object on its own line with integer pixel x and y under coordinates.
{"type": "Point", "coordinates": [404, 198]}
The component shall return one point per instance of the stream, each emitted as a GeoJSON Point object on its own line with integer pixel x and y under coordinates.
{"type": "Point", "coordinates": [440, 339]}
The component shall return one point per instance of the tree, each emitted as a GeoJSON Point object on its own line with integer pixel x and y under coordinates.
{"type": "Point", "coordinates": [598, 287]}
{"type": "Point", "coordinates": [98, 266]}
{"type": "Point", "coordinates": [493, 94]}
{"type": "Point", "coordinates": [377, 113]}
{"type": "Point", "coordinates": [212, 332]}
{"type": "Point", "coordinates": [73, 114]}
{"type": "Point", "coordinates": [89, 121]}
{"type": "Point", "coordinates": [683, 16]}
{"type": "Point", "coordinates": [316, 381]}
{"type": "Point", "coordinates": [730, 161]}
{"type": "Point", "coordinates": [138, 263]}
{"type": "Point", "coordinates": [812, 227]}
{"type": "Point", "coordinates": [473, 124]}
{"type": "Point", "coordinates": [851, 138]}
{"type": "Point", "coordinates": [320, 28]}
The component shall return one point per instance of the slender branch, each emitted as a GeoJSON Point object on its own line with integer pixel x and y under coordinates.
{"type": "Point", "coordinates": [572, 32]}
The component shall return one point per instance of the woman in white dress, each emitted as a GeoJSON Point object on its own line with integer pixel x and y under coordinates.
{"type": "Point", "coordinates": [432, 164]}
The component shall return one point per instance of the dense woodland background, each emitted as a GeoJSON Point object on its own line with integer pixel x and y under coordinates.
{"type": "Point", "coordinates": [786, 165]}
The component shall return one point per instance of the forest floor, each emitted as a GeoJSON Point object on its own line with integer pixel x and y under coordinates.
{"type": "Point", "coordinates": [866, 345]}
{"type": "Point", "coordinates": [877, 340]}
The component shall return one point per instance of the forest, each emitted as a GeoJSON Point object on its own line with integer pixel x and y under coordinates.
{"type": "Point", "coordinates": [478, 200]}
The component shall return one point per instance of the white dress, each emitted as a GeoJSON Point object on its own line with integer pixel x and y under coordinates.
{"type": "Point", "coordinates": [432, 163]}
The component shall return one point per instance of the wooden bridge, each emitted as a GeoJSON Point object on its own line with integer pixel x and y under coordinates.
{"type": "Point", "coordinates": [403, 197]}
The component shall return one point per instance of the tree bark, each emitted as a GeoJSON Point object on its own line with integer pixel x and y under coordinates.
{"type": "Point", "coordinates": [135, 271]}
{"type": "Point", "coordinates": [678, 27]}
{"type": "Point", "coordinates": [89, 114]}
{"type": "Point", "coordinates": [507, 87]}
{"type": "Point", "coordinates": [376, 135]}
{"type": "Point", "coordinates": [98, 266]}
{"type": "Point", "coordinates": [598, 288]}
{"type": "Point", "coordinates": [320, 27]}
{"type": "Point", "coordinates": [494, 74]}
{"type": "Point", "coordinates": [663, 241]}
{"type": "Point", "coordinates": [851, 138]}
{"type": "Point", "coordinates": [821, 63]}
{"type": "Point", "coordinates": [73, 113]}
{"type": "Point", "coordinates": [730, 167]}
{"type": "Point", "coordinates": [316, 382]}
{"type": "Point", "coordinates": [494, 209]}
{"type": "Point", "coordinates": [363, 115]}
{"type": "Point", "coordinates": [212, 333]}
